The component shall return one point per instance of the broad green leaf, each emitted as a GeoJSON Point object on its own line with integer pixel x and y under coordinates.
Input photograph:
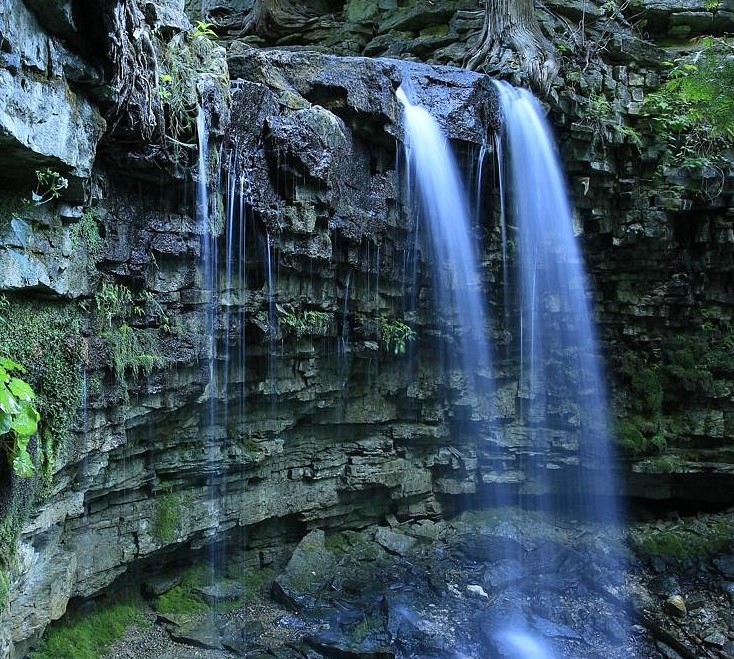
{"type": "Point", "coordinates": [21, 443]}
{"type": "Point", "coordinates": [10, 365]}
{"type": "Point", "coordinates": [25, 423]}
{"type": "Point", "coordinates": [30, 410]}
{"type": "Point", "coordinates": [21, 389]}
{"type": "Point", "coordinates": [23, 464]}
{"type": "Point", "coordinates": [8, 404]}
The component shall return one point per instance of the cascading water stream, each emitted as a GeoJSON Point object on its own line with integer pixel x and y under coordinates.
{"type": "Point", "coordinates": [443, 207]}
{"type": "Point", "coordinates": [211, 290]}
{"type": "Point", "coordinates": [243, 193]}
{"type": "Point", "coordinates": [499, 151]}
{"type": "Point", "coordinates": [272, 319]}
{"type": "Point", "coordinates": [560, 379]}
{"type": "Point", "coordinates": [559, 357]}
{"type": "Point", "coordinates": [208, 244]}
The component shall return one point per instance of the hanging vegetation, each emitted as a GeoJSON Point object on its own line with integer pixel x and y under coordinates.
{"type": "Point", "coordinates": [693, 111]}
{"type": "Point", "coordinates": [132, 50]}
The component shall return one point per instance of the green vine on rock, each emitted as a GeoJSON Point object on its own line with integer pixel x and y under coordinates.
{"type": "Point", "coordinates": [18, 417]}
{"type": "Point", "coordinates": [132, 349]}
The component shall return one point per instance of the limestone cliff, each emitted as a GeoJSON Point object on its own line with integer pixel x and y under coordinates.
{"type": "Point", "coordinates": [250, 406]}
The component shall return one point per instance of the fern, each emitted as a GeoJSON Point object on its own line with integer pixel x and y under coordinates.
{"type": "Point", "coordinates": [694, 108]}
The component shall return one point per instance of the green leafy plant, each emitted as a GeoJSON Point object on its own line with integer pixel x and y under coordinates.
{"type": "Point", "coordinates": [132, 350]}
{"type": "Point", "coordinates": [395, 335]}
{"type": "Point", "coordinates": [203, 29]}
{"type": "Point", "coordinates": [147, 303]}
{"type": "Point", "coordinates": [49, 186]}
{"type": "Point", "coordinates": [186, 57]}
{"type": "Point", "coordinates": [313, 323]}
{"type": "Point", "coordinates": [693, 110]}
{"type": "Point", "coordinates": [45, 337]}
{"type": "Point", "coordinates": [112, 302]}
{"type": "Point", "coordinates": [18, 416]}
{"type": "Point", "coordinates": [85, 234]}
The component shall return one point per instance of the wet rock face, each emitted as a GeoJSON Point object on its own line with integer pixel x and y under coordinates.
{"type": "Point", "coordinates": [329, 126]}
{"type": "Point", "coordinates": [318, 426]}
{"type": "Point", "coordinates": [351, 594]}
{"type": "Point", "coordinates": [362, 90]}
{"type": "Point", "coordinates": [45, 116]}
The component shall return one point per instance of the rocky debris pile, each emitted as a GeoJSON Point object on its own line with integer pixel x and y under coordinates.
{"type": "Point", "coordinates": [481, 585]}
{"type": "Point", "coordinates": [685, 581]}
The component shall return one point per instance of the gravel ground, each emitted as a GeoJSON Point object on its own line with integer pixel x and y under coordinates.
{"type": "Point", "coordinates": [154, 640]}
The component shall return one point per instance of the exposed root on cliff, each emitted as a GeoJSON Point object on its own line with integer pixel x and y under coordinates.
{"type": "Point", "coordinates": [271, 19]}
{"type": "Point", "coordinates": [512, 26]}
{"type": "Point", "coordinates": [137, 104]}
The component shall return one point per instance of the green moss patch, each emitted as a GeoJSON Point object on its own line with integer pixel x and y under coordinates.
{"type": "Point", "coordinates": [88, 635]}
{"type": "Point", "coordinates": [44, 336]}
{"type": "Point", "coordinates": [183, 598]}
{"type": "Point", "coordinates": [697, 537]}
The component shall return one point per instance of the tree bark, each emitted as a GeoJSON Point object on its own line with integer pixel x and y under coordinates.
{"type": "Point", "coordinates": [274, 18]}
{"type": "Point", "coordinates": [513, 24]}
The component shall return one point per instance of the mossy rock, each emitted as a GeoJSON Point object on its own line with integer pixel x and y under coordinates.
{"type": "Point", "coordinates": [697, 537]}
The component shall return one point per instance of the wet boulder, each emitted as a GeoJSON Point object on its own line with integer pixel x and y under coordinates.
{"type": "Point", "coordinates": [308, 573]}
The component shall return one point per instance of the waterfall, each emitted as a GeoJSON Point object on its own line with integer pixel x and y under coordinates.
{"type": "Point", "coordinates": [208, 242]}
{"type": "Point", "coordinates": [441, 198]}
{"type": "Point", "coordinates": [210, 288]}
{"type": "Point", "coordinates": [235, 288]}
{"type": "Point", "coordinates": [560, 381]}
{"type": "Point", "coordinates": [272, 319]}
{"type": "Point", "coordinates": [558, 352]}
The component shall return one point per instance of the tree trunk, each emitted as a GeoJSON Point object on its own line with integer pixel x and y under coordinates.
{"type": "Point", "coordinates": [275, 18]}
{"type": "Point", "coordinates": [512, 24]}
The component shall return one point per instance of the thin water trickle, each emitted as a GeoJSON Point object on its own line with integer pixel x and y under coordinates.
{"type": "Point", "coordinates": [242, 263]}
{"type": "Point", "coordinates": [210, 289]}
{"type": "Point", "coordinates": [208, 245]}
{"type": "Point", "coordinates": [478, 198]}
{"type": "Point", "coordinates": [272, 319]}
{"type": "Point", "coordinates": [377, 278]}
{"type": "Point", "coordinates": [230, 258]}
{"type": "Point", "coordinates": [499, 152]}
{"type": "Point", "coordinates": [344, 338]}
